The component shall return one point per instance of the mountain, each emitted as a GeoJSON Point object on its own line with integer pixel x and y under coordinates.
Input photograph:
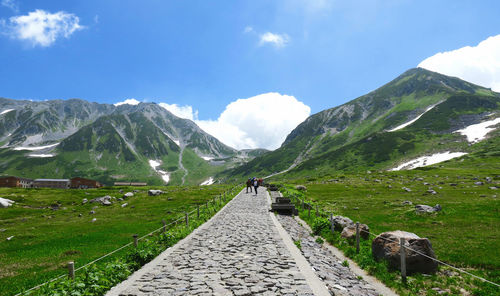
{"type": "Point", "coordinates": [415, 114]}
{"type": "Point", "coordinates": [143, 142]}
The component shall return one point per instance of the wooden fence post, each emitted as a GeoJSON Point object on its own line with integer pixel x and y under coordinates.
{"type": "Point", "coordinates": [357, 237]}
{"type": "Point", "coordinates": [331, 223]}
{"type": "Point", "coordinates": [187, 219]}
{"type": "Point", "coordinates": [135, 240]}
{"type": "Point", "coordinates": [71, 270]}
{"type": "Point", "coordinates": [402, 251]}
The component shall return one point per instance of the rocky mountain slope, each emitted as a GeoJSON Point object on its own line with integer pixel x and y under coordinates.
{"type": "Point", "coordinates": [417, 113]}
{"type": "Point", "coordinates": [143, 142]}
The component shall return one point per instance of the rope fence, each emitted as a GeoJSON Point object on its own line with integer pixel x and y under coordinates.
{"type": "Point", "coordinates": [72, 271]}
{"type": "Point", "coordinates": [303, 205]}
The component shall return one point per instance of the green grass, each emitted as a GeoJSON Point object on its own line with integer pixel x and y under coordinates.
{"type": "Point", "coordinates": [466, 233]}
{"type": "Point", "coordinates": [45, 239]}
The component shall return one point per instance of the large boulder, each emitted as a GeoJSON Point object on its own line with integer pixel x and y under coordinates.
{"type": "Point", "coordinates": [341, 222]}
{"type": "Point", "coordinates": [153, 192]}
{"type": "Point", "coordinates": [349, 232]}
{"type": "Point", "coordinates": [5, 203]}
{"type": "Point", "coordinates": [386, 246]}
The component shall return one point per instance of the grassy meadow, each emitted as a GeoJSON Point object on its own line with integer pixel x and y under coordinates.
{"type": "Point", "coordinates": [466, 233]}
{"type": "Point", "coordinates": [45, 239]}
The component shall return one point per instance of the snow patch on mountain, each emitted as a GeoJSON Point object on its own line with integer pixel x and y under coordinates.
{"type": "Point", "coordinates": [210, 181]}
{"type": "Point", "coordinates": [164, 175]}
{"type": "Point", "coordinates": [6, 111]}
{"type": "Point", "coordinates": [478, 132]}
{"type": "Point", "coordinates": [411, 121]}
{"type": "Point", "coordinates": [173, 140]}
{"type": "Point", "coordinates": [41, 155]}
{"type": "Point", "coordinates": [428, 160]}
{"type": "Point", "coordinates": [35, 148]}
{"type": "Point", "coordinates": [207, 158]}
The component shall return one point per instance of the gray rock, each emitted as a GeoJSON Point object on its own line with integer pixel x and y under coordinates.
{"type": "Point", "coordinates": [153, 192]}
{"type": "Point", "coordinates": [349, 232]}
{"type": "Point", "coordinates": [406, 189]}
{"type": "Point", "coordinates": [94, 219]}
{"type": "Point", "coordinates": [92, 212]}
{"type": "Point", "coordinates": [407, 202]}
{"type": "Point", "coordinates": [104, 200]}
{"type": "Point", "coordinates": [128, 194]}
{"type": "Point", "coordinates": [301, 187]}
{"type": "Point", "coordinates": [431, 191]}
{"type": "Point", "coordinates": [5, 203]}
{"type": "Point", "coordinates": [478, 183]}
{"type": "Point", "coordinates": [386, 247]}
{"type": "Point", "coordinates": [419, 209]}
{"type": "Point", "coordinates": [340, 222]}
{"type": "Point", "coordinates": [84, 201]}
{"type": "Point", "coordinates": [493, 188]}
{"type": "Point", "coordinates": [124, 205]}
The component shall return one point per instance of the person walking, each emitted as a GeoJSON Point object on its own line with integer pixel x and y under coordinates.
{"type": "Point", "coordinates": [249, 185]}
{"type": "Point", "coordinates": [255, 184]}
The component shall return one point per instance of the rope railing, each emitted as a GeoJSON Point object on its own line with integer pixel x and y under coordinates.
{"type": "Point", "coordinates": [118, 249]}
{"type": "Point", "coordinates": [406, 247]}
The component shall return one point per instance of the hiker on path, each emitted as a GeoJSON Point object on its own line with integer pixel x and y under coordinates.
{"type": "Point", "coordinates": [249, 185]}
{"type": "Point", "coordinates": [255, 184]}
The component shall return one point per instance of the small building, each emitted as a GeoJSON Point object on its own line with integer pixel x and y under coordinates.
{"type": "Point", "coordinates": [130, 184]}
{"type": "Point", "coordinates": [12, 181]}
{"type": "Point", "coordinates": [51, 183]}
{"type": "Point", "coordinates": [83, 183]}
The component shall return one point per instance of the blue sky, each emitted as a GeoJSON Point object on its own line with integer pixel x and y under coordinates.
{"type": "Point", "coordinates": [207, 54]}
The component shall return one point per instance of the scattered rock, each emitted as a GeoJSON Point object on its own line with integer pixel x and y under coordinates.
{"type": "Point", "coordinates": [84, 201]}
{"type": "Point", "coordinates": [431, 191]}
{"type": "Point", "coordinates": [94, 219]}
{"type": "Point", "coordinates": [488, 179]}
{"type": "Point", "coordinates": [389, 186]}
{"type": "Point", "coordinates": [5, 203]}
{"type": "Point", "coordinates": [80, 215]}
{"type": "Point", "coordinates": [105, 200]}
{"type": "Point", "coordinates": [92, 212]}
{"type": "Point", "coordinates": [478, 183]}
{"type": "Point", "coordinates": [453, 184]}
{"type": "Point", "coordinates": [406, 189]}
{"type": "Point", "coordinates": [124, 205]}
{"type": "Point", "coordinates": [427, 209]}
{"type": "Point", "coordinates": [349, 232]}
{"type": "Point", "coordinates": [386, 246]}
{"type": "Point", "coordinates": [340, 222]}
{"type": "Point", "coordinates": [2, 230]}
{"type": "Point", "coordinates": [128, 194]}
{"type": "Point", "coordinates": [153, 192]}
{"type": "Point", "coordinates": [10, 237]}
{"type": "Point", "coordinates": [493, 188]}
{"type": "Point", "coordinates": [407, 202]}
{"type": "Point", "coordinates": [301, 187]}
{"type": "Point", "coordinates": [121, 190]}
{"type": "Point", "coordinates": [120, 199]}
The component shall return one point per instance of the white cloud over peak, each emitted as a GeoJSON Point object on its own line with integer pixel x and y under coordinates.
{"type": "Point", "coordinates": [41, 27]}
{"type": "Point", "coordinates": [277, 40]}
{"type": "Point", "coordinates": [11, 4]}
{"type": "Point", "coordinates": [128, 102]}
{"type": "Point", "coordinates": [181, 111]}
{"type": "Point", "coordinates": [477, 64]}
{"type": "Point", "coordinates": [262, 121]}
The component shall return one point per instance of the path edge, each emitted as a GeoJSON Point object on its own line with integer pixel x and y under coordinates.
{"type": "Point", "coordinates": [353, 266]}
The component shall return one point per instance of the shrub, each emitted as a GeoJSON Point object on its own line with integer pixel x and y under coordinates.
{"type": "Point", "coordinates": [319, 224]}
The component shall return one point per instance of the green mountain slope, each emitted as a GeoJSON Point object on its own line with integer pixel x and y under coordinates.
{"type": "Point", "coordinates": [356, 135]}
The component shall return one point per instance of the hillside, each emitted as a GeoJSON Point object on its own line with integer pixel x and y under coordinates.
{"type": "Point", "coordinates": [416, 113]}
{"type": "Point", "coordinates": [144, 142]}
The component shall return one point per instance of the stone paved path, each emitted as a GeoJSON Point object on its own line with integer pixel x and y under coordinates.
{"type": "Point", "coordinates": [238, 253]}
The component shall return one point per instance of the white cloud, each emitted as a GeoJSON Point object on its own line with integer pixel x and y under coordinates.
{"type": "Point", "coordinates": [262, 121]}
{"type": "Point", "coordinates": [127, 102]}
{"type": "Point", "coordinates": [478, 64]}
{"type": "Point", "coordinates": [41, 27]}
{"type": "Point", "coordinates": [278, 40]}
{"type": "Point", "coordinates": [12, 4]}
{"type": "Point", "coordinates": [181, 111]}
